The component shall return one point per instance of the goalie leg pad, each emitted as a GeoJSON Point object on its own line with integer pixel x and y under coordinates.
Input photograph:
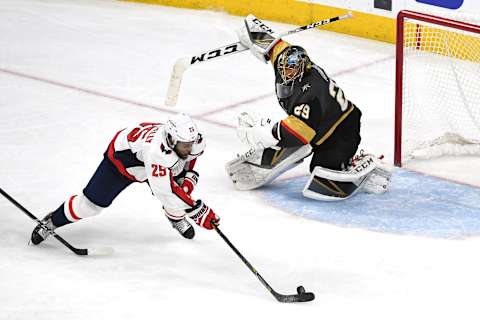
{"type": "Point", "coordinates": [379, 179]}
{"type": "Point", "coordinates": [263, 166]}
{"type": "Point", "coordinates": [368, 175]}
{"type": "Point", "coordinates": [330, 185]}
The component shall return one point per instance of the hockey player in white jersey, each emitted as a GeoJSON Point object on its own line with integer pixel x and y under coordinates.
{"type": "Point", "coordinates": [162, 155]}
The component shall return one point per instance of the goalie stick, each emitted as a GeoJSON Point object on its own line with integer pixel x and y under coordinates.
{"type": "Point", "coordinates": [182, 64]}
{"type": "Point", "coordinates": [308, 26]}
{"type": "Point", "coordinates": [301, 295]}
{"type": "Point", "coordinates": [81, 252]}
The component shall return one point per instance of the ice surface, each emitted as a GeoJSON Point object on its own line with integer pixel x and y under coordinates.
{"type": "Point", "coordinates": [72, 73]}
{"type": "Point", "coordinates": [415, 205]}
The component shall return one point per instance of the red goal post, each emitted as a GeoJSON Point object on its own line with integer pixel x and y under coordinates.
{"type": "Point", "coordinates": [456, 46]}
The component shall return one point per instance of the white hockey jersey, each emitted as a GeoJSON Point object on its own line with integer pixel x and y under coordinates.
{"type": "Point", "coordinates": [142, 154]}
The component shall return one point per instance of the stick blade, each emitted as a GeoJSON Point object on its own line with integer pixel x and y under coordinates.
{"type": "Point", "coordinates": [301, 297]}
{"type": "Point", "coordinates": [175, 81]}
{"type": "Point", "coordinates": [101, 251]}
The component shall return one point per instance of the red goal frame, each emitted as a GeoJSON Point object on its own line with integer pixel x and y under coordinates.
{"type": "Point", "coordinates": [402, 15]}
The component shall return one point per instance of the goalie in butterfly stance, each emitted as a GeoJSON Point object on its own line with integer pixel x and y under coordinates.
{"type": "Point", "coordinates": [163, 155]}
{"type": "Point", "coordinates": [320, 121]}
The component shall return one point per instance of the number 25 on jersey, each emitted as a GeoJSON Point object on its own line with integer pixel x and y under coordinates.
{"type": "Point", "coordinates": [158, 171]}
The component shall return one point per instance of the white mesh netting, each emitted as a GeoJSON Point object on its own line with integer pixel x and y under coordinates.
{"type": "Point", "coordinates": [441, 91]}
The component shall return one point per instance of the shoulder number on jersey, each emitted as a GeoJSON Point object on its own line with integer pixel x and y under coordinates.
{"type": "Point", "coordinates": [302, 110]}
{"type": "Point", "coordinates": [337, 94]}
{"type": "Point", "coordinates": [158, 171]}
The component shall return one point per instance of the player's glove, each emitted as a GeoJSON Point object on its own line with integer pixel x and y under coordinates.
{"type": "Point", "coordinates": [203, 215]}
{"type": "Point", "coordinates": [189, 181]}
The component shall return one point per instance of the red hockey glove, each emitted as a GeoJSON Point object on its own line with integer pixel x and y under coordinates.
{"type": "Point", "coordinates": [190, 181]}
{"type": "Point", "coordinates": [203, 215]}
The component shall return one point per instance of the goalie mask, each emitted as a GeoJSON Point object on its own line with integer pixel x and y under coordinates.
{"type": "Point", "coordinates": [181, 133]}
{"type": "Point", "coordinates": [292, 64]}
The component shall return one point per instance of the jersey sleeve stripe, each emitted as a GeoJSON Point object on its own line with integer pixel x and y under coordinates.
{"type": "Point", "coordinates": [191, 164]}
{"type": "Point", "coordinates": [335, 125]}
{"type": "Point", "coordinates": [179, 192]}
{"type": "Point", "coordinates": [299, 129]}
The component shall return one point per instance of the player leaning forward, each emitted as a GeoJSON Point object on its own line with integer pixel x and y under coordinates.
{"type": "Point", "coordinates": [320, 121]}
{"type": "Point", "coordinates": [163, 155]}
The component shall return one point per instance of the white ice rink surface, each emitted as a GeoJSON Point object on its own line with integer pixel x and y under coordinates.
{"type": "Point", "coordinates": [72, 73]}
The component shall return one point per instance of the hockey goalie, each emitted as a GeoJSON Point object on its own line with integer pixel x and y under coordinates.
{"type": "Point", "coordinates": [321, 122]}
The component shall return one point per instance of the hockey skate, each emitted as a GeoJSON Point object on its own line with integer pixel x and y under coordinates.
{"type": "Point", "coordinates": [183, 227]}
{"type": "Point", "coordinates": [42, 232]}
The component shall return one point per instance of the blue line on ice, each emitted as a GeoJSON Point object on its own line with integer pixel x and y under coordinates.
{"type": "Point", "coordinates": [415, 205]}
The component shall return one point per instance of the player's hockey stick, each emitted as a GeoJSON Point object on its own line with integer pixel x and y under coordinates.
{"type": "Point", "coordinates": [77, 251]}
{"type": "Point", "coordinates": [301, 295]}
{"type": "Point", "coordinates": [182, 64]}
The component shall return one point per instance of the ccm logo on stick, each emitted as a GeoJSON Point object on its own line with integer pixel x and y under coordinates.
{"type": "Point", "coordinates": [214, 53]}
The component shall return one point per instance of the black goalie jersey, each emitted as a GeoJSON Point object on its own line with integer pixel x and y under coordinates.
{"type": "Point", "coordinates": [316, 108]}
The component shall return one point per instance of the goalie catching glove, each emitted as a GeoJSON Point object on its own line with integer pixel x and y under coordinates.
{"type": "Point", "coordinates": [203, 215]}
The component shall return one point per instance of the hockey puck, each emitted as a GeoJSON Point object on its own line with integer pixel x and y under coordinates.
{"type": "Point", "coordinates": [300, 290]}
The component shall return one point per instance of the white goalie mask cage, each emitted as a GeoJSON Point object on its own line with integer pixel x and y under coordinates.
{"type": "Point", "coordinates": [180, 127]}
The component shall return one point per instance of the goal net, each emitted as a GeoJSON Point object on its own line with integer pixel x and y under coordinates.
{"type": "Point", "coordinates": [437, 107]}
